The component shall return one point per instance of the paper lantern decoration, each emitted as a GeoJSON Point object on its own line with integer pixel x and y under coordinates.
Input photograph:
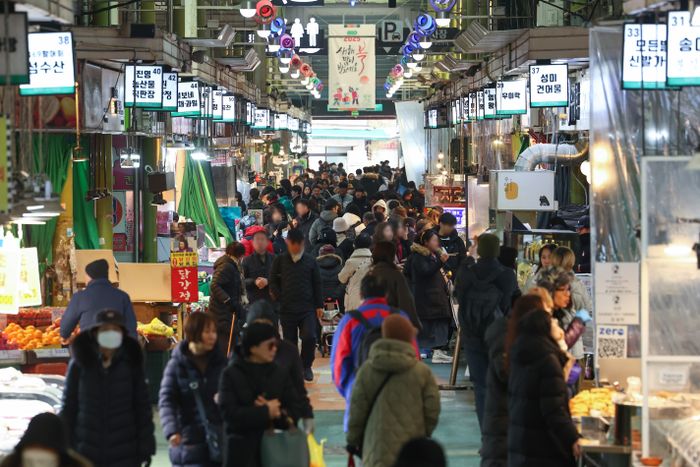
{"type": "Point", "coordinates": [442, 5]}
{"type": "Point", "coordinates": [425, 25]}
{"type": "Point", "coordinates": [413, 39]}
{"type": "Point", "coordinates": [320, 87]}
{"type": "Point", "coordinates": [397, 70]}
{"type": "Point", "coordinates": [296, 62]}
{"type": "Point", "coordinates": [286, 41]}
{"type": "Point", "coordinates": [306, 70]}
{"type": "Point", "coordinates": [265, 11]}
{"type": "Point", "coordinates": [278, 26]}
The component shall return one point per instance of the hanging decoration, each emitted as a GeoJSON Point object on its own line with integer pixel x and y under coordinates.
{"type": "Point", "coordinates": [442, 9]}
{"type": "Point", "coordinates": [265, 12]}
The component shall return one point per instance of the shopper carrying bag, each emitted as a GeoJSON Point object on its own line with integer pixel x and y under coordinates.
{"type": "Point", "coordinates": [285, 448]}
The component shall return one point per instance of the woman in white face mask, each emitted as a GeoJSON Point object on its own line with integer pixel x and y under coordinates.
{"type": "Point", "coordinates": [105, 401]}
{"type": "Point", "coordinates": [44, 444]}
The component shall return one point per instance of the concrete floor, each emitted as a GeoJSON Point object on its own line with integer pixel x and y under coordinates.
{"type": "Point", "coordinates": [457, 431]}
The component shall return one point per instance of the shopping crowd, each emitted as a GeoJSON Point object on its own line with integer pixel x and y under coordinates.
{"type": "Point", "coordinates": [354, 262]}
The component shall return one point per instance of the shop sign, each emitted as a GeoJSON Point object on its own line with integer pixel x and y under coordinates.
{"type": "Point", "coordinates": [432, 118]}
{"type": "Point", "coordinates": [169, 92]}
{"type": "Point", "coordinates": [9, 280]}
{"type": "Point", "coordinates": [683, 59]}
{"type": "Point", "coordinates": [29, 284]}
{"type": "Point", "coordinates": [262, 119]}
{"type": "Point", "coordinates": [293, 124]}
{"type": "Point", "coordinates": [490, 102]}
{"type": "Point", "coordinates": [187, 99]}
{"type": "Point", "coordinates": [443, 195]}
{"type": "Point", "coordinates": [644, 56]}
{"type": "Point", "coordinates": [217, 99]}
{"type": "Point", "coordinates": [281, 122]}
{"type": "Point", "coordinates": [206, 110]}
{"type": "Point", "coordinates": [549, 85]}
{"type": "Point", "coordinates": [617, 293]}
{"type": "Point", "coordinates": [250, 113]}
{"type": "Point", "coordinates": [473, 106]}
{"type": "Point", "coordinates": [352, 67]}
{"type": "Point", "coordinates": [511, 97]}
{"type": "Point", "coordinates": [480, 104]}
{"type": "Point", "coordinates": [228, 108]}
{"type": "Point", "coordinates": [524, 191]}
{"type": "Point", "coordinates": [13, 49]}
{"type": "Point", "coordinates": [456, 111]}
{"type": "Point", "coordinates": [460, 214]}
{"type": "Point", "coordinates": [143, 86]}
{"type": "Point", "coordinates": [183, 277]}
{"type": "Point", "coordinates": [51, 64]}
{"type": "Point", "coordinates": [611, 341]}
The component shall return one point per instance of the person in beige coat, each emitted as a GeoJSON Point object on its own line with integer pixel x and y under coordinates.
{"type": "Point", "coordinates": [354, 270]}
{"type": "Point", "coordinates": [395, 397]}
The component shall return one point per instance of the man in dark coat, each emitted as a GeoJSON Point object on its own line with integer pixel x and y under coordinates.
{"type": "Point", "coordinates": [360, 199]}
{"type": "Point", "coordinates": [99, 295]}
{"type": "Point", "coordinates": [304, 220]}
{"type": "Point", "coordinates": [105, 400]}
{"type": "Point", "coordinates": [583, 258]}
{"type": "Point", "coordinates": [330, 264]}
{"type": "Point", "coordinates": [470, 283]}
{"type": "Point", "coordinates": [450, 241]}
{"type": "Point", "coordinates": [227, 292]}
{"type": "Point", "coordinates": [295, 283]}
{"type": "Point", "coordinates": [256, 269]}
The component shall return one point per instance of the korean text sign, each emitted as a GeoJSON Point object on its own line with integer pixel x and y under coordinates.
{"type": "Point", "coordinates": [549, 85]}
{"type": "Point", "coordinates": [188, 99]}
{"type": "Point", "coordinates": [51, 64]}
{"type": "Point", "coordinates": [683, 59]}
{"type": "Point", "coordinates": [644, 56]}
{"type": "Point", "coordinates": [143, 86]}
{"type": "Point", "coordinates": [351, 67]}
{"type": "Point", "coordinates": [183, 277]}
{"type": "Point", "coordinates": [511, 97]}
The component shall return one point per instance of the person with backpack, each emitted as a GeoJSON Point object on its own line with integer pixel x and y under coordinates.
{"type": "Point", "coordinates": [395, 398]}
{"type": "Point", "coordinates": [331, 209]}
{"type": "Point", "coordinates": [484, 291]}
{"type": "Point", "coordinates": [357, 331]}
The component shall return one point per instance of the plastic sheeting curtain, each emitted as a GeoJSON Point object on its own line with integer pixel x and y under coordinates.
{"type": "Point", "coordinates": [198, 201]}
{"type": "Point", "coordinates": [409, 118]}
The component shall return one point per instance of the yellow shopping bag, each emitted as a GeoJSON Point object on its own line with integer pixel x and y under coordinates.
{"type": "Point", "coordinates": [316, 452]}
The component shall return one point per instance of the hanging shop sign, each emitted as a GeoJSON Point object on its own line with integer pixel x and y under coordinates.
{"type": "Point", "coordinates": [293, 124]}
{"type": "Point", "coordinates": [352, 73]}
{"type": "Point", "coordinates": [13, 49]}
{"type": "Point", "coordinates": [523, 191]}
{"type": "Point", "coordinates": [281, 122]}
{"type": "Point", "coordinates": [480, 104]}
{"type": "Point", "coordinates": [456, 111]}
{"type": "Point", "coordinates": [143, 86]}
{"type": "Point", "coordinates": [205, 102]}
{"type": "Point", "coordinates": [511, 97]}
{"type": "Point", "coordinates": [549, 85]}
{"type": "Point", "coordinates": [262, 119]}
{"type": "Point", "coordinates": [29, 284]}
{"type": "Point", "coordinates": [51, 64]}
{"type": "Point", "coordinates": [250, 113]}
{"type": "Point", "coordinates": [217, 100]}
{"type": "Point", "coordinates": [644, 56]}
{"type": "Point", "coordinates": [683, 56]}
{"type": "Point", "coordinates": [490, 102]}
{"type": "Point", "coordinates": [432, 118]}
{"type": "Point", "coordinates": [473, 106]}
{"type": "Point", "coordinates": [228, 108]}
{"type": "Point", "coordinates": [617, 293]}
{"type": "Point", "coordinates": [169, 92]}
{"type": "Point", "coordinates": [188, 99]}
{"type": "Point", "coordinates": [183, 277]}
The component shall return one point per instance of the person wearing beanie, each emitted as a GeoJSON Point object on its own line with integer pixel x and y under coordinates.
{"type": "Point", "coordinates": [451, 242]}
{"type": "Point", "coordinates": [44, 443]}
{"type": "Point", "coordinates": [485, 292]}
{"type": "Point", "coordinates": [255, 394]}
{"type": "Point", "coordinates": [395, 397]}
{"type": "Point", "coordinates": [106, 405]}
{"type": "Point", "coordinates": [345, 237]}
{"type": "Point", "coordinates": [99, 294]}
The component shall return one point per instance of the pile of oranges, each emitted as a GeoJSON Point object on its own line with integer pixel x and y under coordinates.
{"type": "Point", "coordinates": [31, 338]}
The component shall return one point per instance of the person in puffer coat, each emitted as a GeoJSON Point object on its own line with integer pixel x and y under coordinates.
{"type": "Point", "coordinates": [195, 359]}
{"type": "Point", "coordinates": [540, 430]}
{"type": "Point", "coordinates": [228, 294]}
{"type": "Point", "coordinates": [330, 265]}
{"type": "Point", "coordinates": [330, 212]}
{"type": "Point", "coordinates": [355, 269]}
{"type": "Point", "coordinates": [105, 400]}
{"type": "Point", "coordinates": [407, 398]}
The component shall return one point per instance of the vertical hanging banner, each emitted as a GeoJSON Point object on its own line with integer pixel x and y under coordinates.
{"type": "Point", "coordinates": [183, 277]}
{"type": "Point", "coordinates": [351, 67]}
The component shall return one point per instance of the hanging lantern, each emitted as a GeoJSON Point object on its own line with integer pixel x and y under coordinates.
{"type": "Point", "coordinates": [278, 26]}
{"type": "Point", "coordinates": [287, 41]}
{"type": "Point", "coordinates": [397, 70]}
{"type": "Point", "coordinates": [442, 8]}
{"type": "Point", "coordinates": [306, 70]}
{"type": "Point", "coordinates": [414, 38]}
{"type": "Point", "coordinates": [266, 11]}
{"type": "Point", "coordinates": [425, 25]}
{"type": "Point", "coordinates": [296, 61]}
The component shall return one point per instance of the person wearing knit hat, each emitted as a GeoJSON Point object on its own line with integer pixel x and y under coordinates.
{"type": "Point", "coordinates": [407, 398]}
{"type": "Point", "coordinates": [484, 291]}
{"type": "Point", "coordinates": [99, 295]}
{"type": "Point", "coordinates": [255, 394]}
{"type": "Point", "coordinates": [340, 225]}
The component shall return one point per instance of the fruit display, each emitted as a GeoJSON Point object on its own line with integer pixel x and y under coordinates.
{"type": "Point", "coordinates": [597, 400]}
{"type": "Point", "coordinates": [31, 338]}
{"type": "Point", "coordinates": [37, 317]}
{"type": "Point", "coordinates": [155, 328]}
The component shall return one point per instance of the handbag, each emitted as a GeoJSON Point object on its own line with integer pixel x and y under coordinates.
{"type": "Point", "coordinates": [285, 448]}
{"type": "Point", "coordinates": [212, 432]}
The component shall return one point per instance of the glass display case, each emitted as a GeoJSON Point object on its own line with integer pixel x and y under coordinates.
{"type": "Point", "coordinates": [670, 317]}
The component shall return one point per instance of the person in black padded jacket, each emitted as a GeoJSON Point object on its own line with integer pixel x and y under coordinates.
{"type": "Point", "coordinates": [254, 394]}
{"type": "Point", "coordinates": [105, 400]}
{"type": "Point", "coordinates": [227, 294]}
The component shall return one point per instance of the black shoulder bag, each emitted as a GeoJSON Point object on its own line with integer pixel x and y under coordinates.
{"type": "Point", "coordinates": [213, 432]}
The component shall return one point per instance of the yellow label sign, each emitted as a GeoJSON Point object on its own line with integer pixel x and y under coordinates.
{"type": "Point", "coordinates": [185, 259]}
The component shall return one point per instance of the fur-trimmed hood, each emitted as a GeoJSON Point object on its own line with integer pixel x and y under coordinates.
{"type": "Point", "coordinates": [86, 352]}
{"type": "Point", "coordinates": [329, 261]}
{"type": "Point", "coordinates": [420, 249]}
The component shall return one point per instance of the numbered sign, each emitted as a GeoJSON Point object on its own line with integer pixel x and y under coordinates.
{"type": "Point", "coordinates": [511, 97]}
{"type": "Point", "coordinates": [51, 64]}
{"type": "Point", "coordinates": [480, 104]}
{"type": "Point", "coordinates": [188, 99]}
{"type": "Point", "coordinates": [217, 104]}
{"type": "Point", "coordinates": [644, 56]}
{"type": "Point", "coordinates": [683, 59]}
{"type": "Point", "coordinates": [228, 108]}
{"type": "Point", "coordinates": [549, 85]}
{"type": "Point", "coordinates": [143, 86]}
{"type": "Point", "coordinates": [490, 102]}
{"type": "Point", "coordinates": [169, 92]}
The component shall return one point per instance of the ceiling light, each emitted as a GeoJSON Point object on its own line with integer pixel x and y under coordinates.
{"type": "Point", "coordinates": [443, 19]}
{"type": "Point", "coordinates": [263, 33]}
{"type": "Point", "coordinates": [273, 48]}
{"type": "Point", "coordinates": [408, 74]}
{"type": "Point", "coordinates": [27, 221]}
{"type": "Point", "coordinates": [247, 10]}
{"type": "Point", "coordinates": [284, 69]}
{"type": "Point", "coordinates": [295, 74]}
{"type": "Point", "coordinates": [441, 155]}
{"type": "Point", "coordinates": [412, 65]}
{"type": "Point", "coordinates": [418, 68]}
{"type": "Point", "coordinates": [200, 156]}
{"type": "Point", "coordinates": [438, 165]}
{"type": "Point", "coordinates": [425, 44]}
{"type": "Point", "coordinates": [418, 56]}
{"type": "Point", "coordinates": [42, 214]}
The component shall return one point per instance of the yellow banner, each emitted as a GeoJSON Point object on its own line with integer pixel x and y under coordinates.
{"type": "Point", "coordinates": [185, 259]}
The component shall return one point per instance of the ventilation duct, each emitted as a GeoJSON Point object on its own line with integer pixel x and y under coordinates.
{"type": "Point", "coordinates": [477, 39]}
{"type": "Point", "coordinates": [247, 63]}
{"type": "Point", "coordinates": [547, 154]}
{"type": "Point", "coordinates": [450, 65]}
{"type": "Point", "coordinates": [223, 39]}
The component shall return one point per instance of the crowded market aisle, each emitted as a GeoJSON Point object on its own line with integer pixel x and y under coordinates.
{"type": "Point", "coordinates": [457, 431]}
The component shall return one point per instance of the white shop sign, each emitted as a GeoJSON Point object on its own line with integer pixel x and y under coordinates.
{"type": "Point", "coordinates": [524, 191]}
{"type": "Point", "coordinates": [549, 85]}
{"type": "Point", "coordinates": [432, 118]}
{"type": "Point", "coordinates": [262, 119]}
{"type": "Point", "coordinates": [143, 86]}
{"type": "Point", "coordinates": [480, 105]}
{"type": "Point", "coordinates": [51, 64]}
{"type": "Point", "coordinates": [206, 102]}
{"type": "Point", "coordinates": [644, 56]}
{"type": "Point", "coordinates": [216, 104]}
{"type": "Point", "coordinates": [511, 97]}
{"type": "Point", "coordinates": [616, 293]}
{"type": "Point", "coordinates": [13, 42]}
{"type": "Point", "coordinates": [228, 108]}
{"type": "Point", "coordinates": [281, 122]}
{"type": "Point", "coordinates": [187, 99]}
{"type": "Point", "coordinates": [683, 59]}
{"type": "Point", "coordinates": [490, 102]}
{"type": "Point", "coordinates": [169, 92]}
{"type": "Point", "coordinates": [465, 109]}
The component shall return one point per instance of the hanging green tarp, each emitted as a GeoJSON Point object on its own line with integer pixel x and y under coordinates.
{"type": "Point", "coordinates": [199, 203]}
{"type": "Point", "coordinates": [84, 223]}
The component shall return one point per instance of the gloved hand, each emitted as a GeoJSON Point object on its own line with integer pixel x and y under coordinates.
{"type": "Point", "coordinates": [584, 316]}
{"type": "Point", "coordinates": [308, 425]}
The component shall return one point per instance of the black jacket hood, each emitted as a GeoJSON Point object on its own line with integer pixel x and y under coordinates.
{"type": "Point", "coordinates": [86, 351]}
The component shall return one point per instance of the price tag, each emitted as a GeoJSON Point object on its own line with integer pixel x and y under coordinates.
{"type": "Point", "coordinates": [549, 85]}
{"type": "Point", "coordinates": [52, 353]}
{"type": "Point", "coordinates": [11, 356]}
